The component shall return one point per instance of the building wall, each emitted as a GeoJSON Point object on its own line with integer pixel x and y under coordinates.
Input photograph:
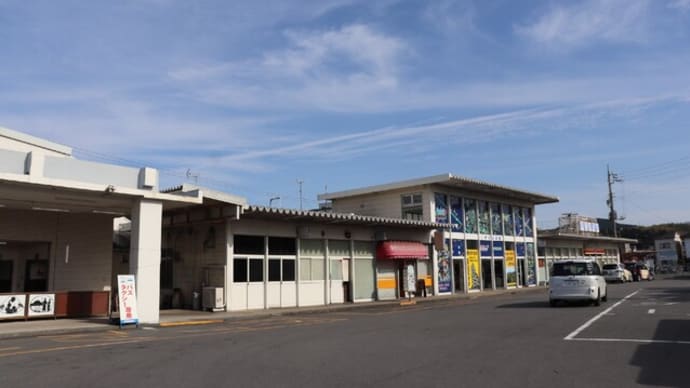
{"type": "Point", "coordinates": [85, 265]}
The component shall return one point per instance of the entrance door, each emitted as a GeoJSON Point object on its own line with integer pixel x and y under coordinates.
{"type": "Point", "coordinates": [6, 275]}
{"type": "Point", "coordinates": [36, 277]}
{"type": "Point", "coordinates": [487, 278]}
{"type": "Point", "coordinates": [459, 275]}
{"type": "Point", "coordinates": [498, 273]}
{"type": "Point", "coordinates": [522, 272]}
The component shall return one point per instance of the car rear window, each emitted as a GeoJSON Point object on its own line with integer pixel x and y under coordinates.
{"type": "Point", "coordinates": [610, 266]}
{"type": "Point", "coordinates": [573, 269]}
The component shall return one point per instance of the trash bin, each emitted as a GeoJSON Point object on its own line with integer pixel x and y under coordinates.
{"type": "Point", "coordinates": [196, 300]}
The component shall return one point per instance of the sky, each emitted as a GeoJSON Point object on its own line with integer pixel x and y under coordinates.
{"type": "Point", "coordinates": [253, 97]}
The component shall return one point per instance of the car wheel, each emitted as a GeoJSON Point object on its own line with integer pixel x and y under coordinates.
{"type": "Point", "coordinates": [605, 297]}
{"type": "Point", "coordinates": [553, 302]}
{"type": "Point", "coordinates": [597, 301]}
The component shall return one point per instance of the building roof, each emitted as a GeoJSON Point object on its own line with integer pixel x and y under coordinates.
{"type": "Point", "coordinates": [452, 181]}
{"type": "Point", "coordinates": [35, 141]}
{"type": "Point", "coordinates": [206, 193]}
{"type": "Point", "coordinates": [552, 235]}
{"type": "Point", "coordinates": [262, 212]}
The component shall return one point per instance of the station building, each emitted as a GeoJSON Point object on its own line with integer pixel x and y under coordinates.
{"type": "Point", "coordinates": [488, 235]}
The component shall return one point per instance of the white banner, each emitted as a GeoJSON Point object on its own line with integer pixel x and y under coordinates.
{"type": "Point", "coordinates": [41, 305]}
{"type": "Point", "coordinates": [127, 299]}
{"type": "Point", "coordinates": [12, 306]}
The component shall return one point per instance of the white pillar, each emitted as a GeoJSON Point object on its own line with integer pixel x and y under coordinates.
{"type": "Point", "coordinates": [229, 262]}
{"type": "Point", "coordinates": [145, 257]}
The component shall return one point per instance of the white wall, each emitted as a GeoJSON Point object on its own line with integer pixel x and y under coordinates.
{"type": "Point", "coordinates": [89, 237]}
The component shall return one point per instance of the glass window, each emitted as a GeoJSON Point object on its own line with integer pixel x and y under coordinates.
{"type": "Point", "coordinates": [273, 270]}
{"type": "Point", "coordinates": [338, 248]}
{"type": "Point", "coordinates": [364, 275]}
{"type": "Point", "coordinates": [364, 248]}
{"type": "Point", "coordinates": [496, 219]}
{"type": "Point", "coordinates": [411, 205]}
{"type": "Point", "coordinates": [304, 269]}
{"type": "Point", "coordinates": [519, 222]}
{"type": "Point", "coordinates": [528, 223]}
{"type": "Point", "coordinates": [256, 270]}
{"type": "Point", "coordinates": [248, 245]}
{"type": "Point", "coordinates": [508, 220]}
{"type": "Point", "coordinates": [470, 216]}
{"type": "Point", "coordinates": [282, 246]}
{"type": "Point", "coordinates": [336, 270]}
{"type": "Point", "coordinates": [311, 248]}
{"type": "Point", "coordinates": [441, 212]}
{"type": "Point", "coordinates": [317, 269]}
{"type": "Point", "coordinates": [239, 270]}
{"type": "Point", "coordinates": [456, 214]}
{"type": "Point", "coordinates": [484, 217]}
{"type": "Point", "coordinates": [288, 270]}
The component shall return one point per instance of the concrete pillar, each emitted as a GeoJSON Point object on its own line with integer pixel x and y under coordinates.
{"type": "Point", "coordinates": [145, 257]}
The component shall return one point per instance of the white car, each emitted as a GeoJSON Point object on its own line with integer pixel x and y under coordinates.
{"type": "Point", "coordinates": [577, 280]}
{"type": "Point", "coordinates": [617, 273]}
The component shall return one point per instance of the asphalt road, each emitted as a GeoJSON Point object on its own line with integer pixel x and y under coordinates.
{"type": "Point", "coordinates": [640, 337]}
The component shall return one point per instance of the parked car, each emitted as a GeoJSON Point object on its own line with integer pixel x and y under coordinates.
{"type": "Point", "coordinates": [639, 271]}
{"type": "Point", "coordinates": [577, 280]}
{"type": "Point", "coordinates": [617, 273]}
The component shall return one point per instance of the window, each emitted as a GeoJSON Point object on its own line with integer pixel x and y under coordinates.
{"type": "Point", "coordinates": [282, 246]}
{"type": "Point", "coordinates": [256, 270]}
{"type": "Point", "coordinates": [239, 273]}
{"type": "Point", "coordinates": [570, 268]}
{"type": "Point", "coordinates": [412, 208]}
{"type": "Point", "coordinates": [470, 216]}
{"type": "Point", "coordinates": [249, 245]}
{"type": "Point", "coordinates": [311, 268]}
{"type": "Point", "coordinates": [281, 270]}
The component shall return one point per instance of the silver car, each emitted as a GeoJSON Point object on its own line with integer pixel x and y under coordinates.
{"type": "Point", "coordinates": [617, 273]}
{"type": "Point", "coordinates": [577, 280]}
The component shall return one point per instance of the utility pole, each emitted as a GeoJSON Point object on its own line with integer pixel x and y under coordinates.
{"type": "Point", "coordinates": [612, 178]}
{"type": "Point", "coordinates": [299, 182]}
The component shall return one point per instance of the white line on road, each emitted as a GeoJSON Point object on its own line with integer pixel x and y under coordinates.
{"type": "Point", "coordinates": [639, 341]}
{"type": "Point", "coordinates": [651, 311]}
{"type": "Point", "coordinates": [601, 314]}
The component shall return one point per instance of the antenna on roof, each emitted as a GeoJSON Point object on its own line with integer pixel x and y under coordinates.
{"type": "Point", "coordinates": [191, 175]}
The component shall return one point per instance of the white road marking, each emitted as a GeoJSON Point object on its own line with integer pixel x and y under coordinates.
{"type": "Point", "coordinates": [601, 314]}
{"type": "Point", "coordinates": [633, 340]}
{"type": "Point", "coordinates": [651, 311]}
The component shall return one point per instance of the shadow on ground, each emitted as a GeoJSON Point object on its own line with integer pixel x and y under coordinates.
{"type": "Point", "coordinates": [665, 364]}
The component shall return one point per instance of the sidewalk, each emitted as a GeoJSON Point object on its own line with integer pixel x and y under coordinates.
{"type": "Point", "coordinates": [173, 318]}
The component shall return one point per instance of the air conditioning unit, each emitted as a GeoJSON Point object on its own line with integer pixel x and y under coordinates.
{"type": "Point", "coordinates": [214, 298]}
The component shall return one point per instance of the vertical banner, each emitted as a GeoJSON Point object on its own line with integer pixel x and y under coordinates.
{"type": "Point", "coordinates": [457, 217]}
{"type": "Point", "coordinates": [531, 265]}
{"type": "Point", "coordinates": [444, 279]}
{"type": "Point", "coordinates": [127, 299]}
{"type": "Point", "coordinates": [473, 280]}
{"type": "Point", "coordinates": [511, 275]}
{"type": "Point", "coordinates": [441, 206]}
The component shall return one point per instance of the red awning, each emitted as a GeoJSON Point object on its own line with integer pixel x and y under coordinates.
{"type": "Point", "coordinates": [402, 250]}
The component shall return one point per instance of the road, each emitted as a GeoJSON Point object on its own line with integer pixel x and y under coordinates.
{"type": "Point", "coordinates": [640, 337]}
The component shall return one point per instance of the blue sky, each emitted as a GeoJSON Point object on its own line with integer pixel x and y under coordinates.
{"type": "Point", "coordinates": [253, 96]}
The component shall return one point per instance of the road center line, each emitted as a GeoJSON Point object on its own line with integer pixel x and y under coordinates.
{"type": "Point", "coordinates": [596, 318]}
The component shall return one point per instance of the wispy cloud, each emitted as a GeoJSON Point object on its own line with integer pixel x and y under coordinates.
{"type": "Point", "coordinates": [683, 5]}
{"type": "Point", "coordinates": [581, 23]}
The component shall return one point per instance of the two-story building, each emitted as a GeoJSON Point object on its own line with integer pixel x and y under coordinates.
{"type": "Point", "coordinates": [488, 240]}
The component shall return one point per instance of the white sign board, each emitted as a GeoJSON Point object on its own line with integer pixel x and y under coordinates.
{"type": "Point", "coordinates": [12, 306]}
{"type": "Point", "coordinates": [127, 299]}
{"type": "Point", "coordinates": [41, 305]}
{"type": "Point", "coordinates": [410, 279]}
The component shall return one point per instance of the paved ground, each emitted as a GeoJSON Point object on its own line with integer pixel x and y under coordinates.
{"type": "Point", "coordinates": [640, 337]}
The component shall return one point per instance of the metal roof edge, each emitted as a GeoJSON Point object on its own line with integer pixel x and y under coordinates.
{"type": "Point", "coordinates": [543, 235]}
{"type": "Point", "coordinates": [341, 216]}
{"type": "Point", "coordinates": [215, 195]}
{"type": "Point", "coordinates": [387, 186]}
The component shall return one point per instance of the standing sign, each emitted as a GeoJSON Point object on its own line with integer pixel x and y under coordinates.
{"type": "Point", "coordinates": [410, 279]}
{"type": "Point", "coordinates": [127, 300]}
{"type": "Point", "coordinates": [444, 280]}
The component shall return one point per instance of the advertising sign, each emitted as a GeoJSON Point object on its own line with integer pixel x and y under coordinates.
{"type": "Point", "coordinates": [458, 248]}
{"type": "Point", "coordinates": [485, 248]}
{"type": "Point", "coordinates": [456, 214]}
{"type": "Point", "coordinates": [441, 208]}
{"type": "Point", "coordinates": [498, 248]}
{"type": "Point", "coordinates": [410, 279]}
{"type": "Point", "coordinates": [444, 279]}
{"type": "Point", "coordinates": [511, 275]}
{"type": "Point", "coordinates": [127, 298]}
{"type": "Point", "coordinates": [12, 306]}
{"type": "Point", "coordinates": [473, 280]}
{"type": "Point", "coordinates": [41, 305]}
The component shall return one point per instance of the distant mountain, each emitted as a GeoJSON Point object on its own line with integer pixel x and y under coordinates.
{"type": "Point", "coordinates": [644, 234]}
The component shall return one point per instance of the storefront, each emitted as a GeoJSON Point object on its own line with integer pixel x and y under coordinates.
{"type": "Point", "coordinates": [396, 263]}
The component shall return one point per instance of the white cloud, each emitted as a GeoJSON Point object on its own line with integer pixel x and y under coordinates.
{"type": "Point", "coordinates": [683, 5]}
{"type": "Point", "coordinates": [581, 23]}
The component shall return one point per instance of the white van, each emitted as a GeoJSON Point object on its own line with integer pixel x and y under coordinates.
{"type": "Point", "coordinates": [577, 280]}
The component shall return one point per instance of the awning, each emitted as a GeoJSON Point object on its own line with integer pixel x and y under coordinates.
{"type": "Point", "coordinates": [402, 250]}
